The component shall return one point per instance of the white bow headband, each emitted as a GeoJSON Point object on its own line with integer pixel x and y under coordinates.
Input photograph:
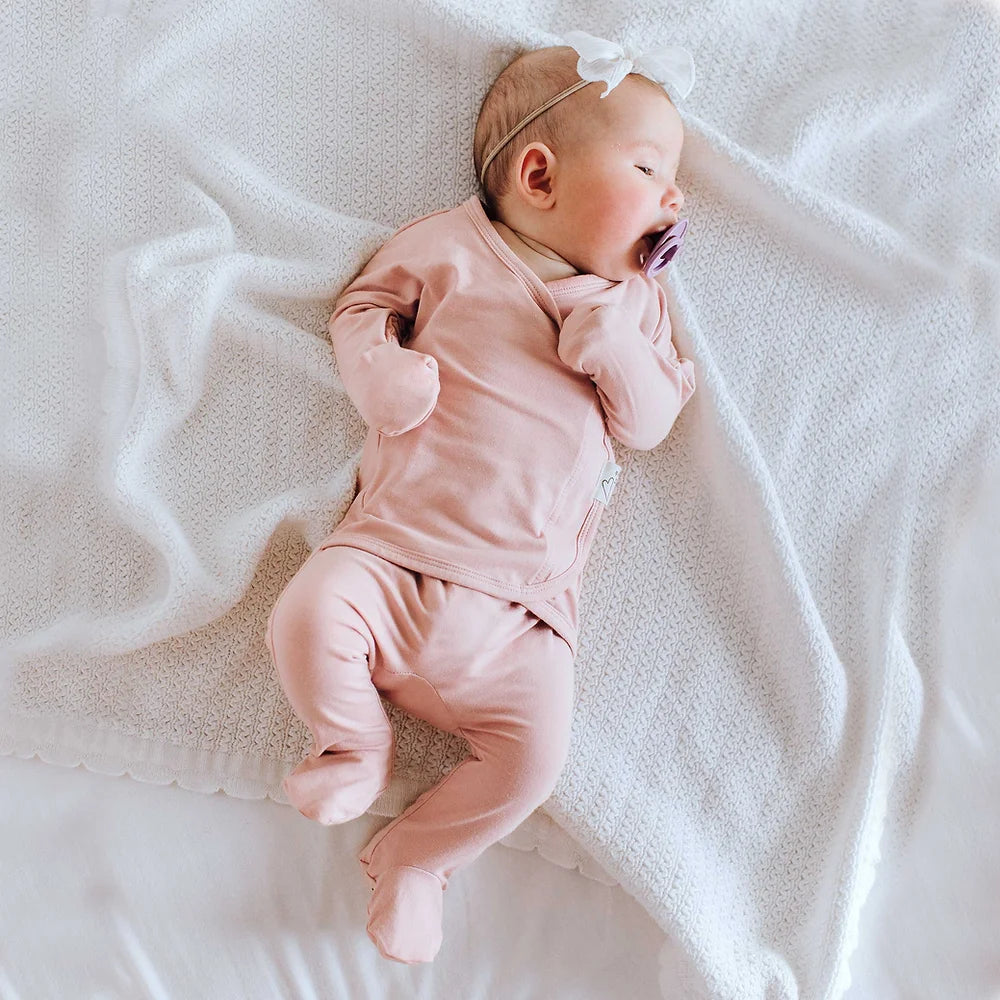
{"type": "Point", "coordinates": [602, 61]}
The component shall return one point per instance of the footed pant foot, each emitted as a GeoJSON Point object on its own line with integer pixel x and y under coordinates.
{"type": "Point", "coordinates": [338, 785]}
{"type": "Point", "coordinates": [404, 914]}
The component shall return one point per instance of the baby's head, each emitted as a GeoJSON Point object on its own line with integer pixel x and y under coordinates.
{"type": "Point", "coordinates": [592, 178]}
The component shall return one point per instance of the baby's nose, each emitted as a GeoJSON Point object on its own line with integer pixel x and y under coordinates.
{"type": "Point", "coordinates": [673, 198]}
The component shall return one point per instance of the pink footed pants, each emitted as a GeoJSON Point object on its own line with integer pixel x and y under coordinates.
{"type": "Point", "coordinates": [350, 626]}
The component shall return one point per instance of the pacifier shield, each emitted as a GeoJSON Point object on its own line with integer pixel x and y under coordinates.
{"type": "Point", "coordinates": [666, 248]}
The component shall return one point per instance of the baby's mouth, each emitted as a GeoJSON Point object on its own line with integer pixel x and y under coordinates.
{"type": "Point", "coordinates": [650, 240]}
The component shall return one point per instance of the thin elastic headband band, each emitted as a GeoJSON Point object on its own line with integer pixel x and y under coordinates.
{"type": "Point", "coordinates": [527, 120]}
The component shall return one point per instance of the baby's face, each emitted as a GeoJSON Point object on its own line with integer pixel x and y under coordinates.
{"type": "Point", "coordinates": [617, 188]}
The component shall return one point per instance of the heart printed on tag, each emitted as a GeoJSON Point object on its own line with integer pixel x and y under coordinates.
{"type": "Point", "coordinates": [607, 482]}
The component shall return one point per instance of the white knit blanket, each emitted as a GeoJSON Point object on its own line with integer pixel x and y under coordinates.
{"type": "Point", "coordinates": [782, 595]}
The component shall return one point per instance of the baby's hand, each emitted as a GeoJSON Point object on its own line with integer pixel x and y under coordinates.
{"type": "Point", "coordinates": [400, 388]}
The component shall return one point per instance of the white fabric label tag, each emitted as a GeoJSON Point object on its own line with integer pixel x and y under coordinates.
{"type": "Point", "coordinates": [606, 482]}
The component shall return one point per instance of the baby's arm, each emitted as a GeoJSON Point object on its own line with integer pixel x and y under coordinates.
{"type": "Point", "coordinates": [625, 347]}
{"type": "Point", "coordinates": [395, 389]}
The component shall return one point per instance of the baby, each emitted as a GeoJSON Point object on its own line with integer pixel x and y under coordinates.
{"type": "Point", "coordinates": [494, 350]}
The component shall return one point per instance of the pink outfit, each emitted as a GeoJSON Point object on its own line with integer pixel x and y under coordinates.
{"type": "Point", "coordinates": [451, 585]}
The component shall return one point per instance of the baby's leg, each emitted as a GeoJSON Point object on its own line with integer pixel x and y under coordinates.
{"type": "Point", "coordinates": [320, 641]}
{"type": "Point", "coordinates": [507, 681]}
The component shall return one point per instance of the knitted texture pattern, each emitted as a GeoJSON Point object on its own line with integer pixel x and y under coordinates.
{"type": "Point", "coordinates": [778, 592]}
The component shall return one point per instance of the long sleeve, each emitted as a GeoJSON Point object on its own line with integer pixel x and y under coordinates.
{"type": "Point", "coordinates": [394, 389]}
{"type": "Point", "coordinates": [625, 347]}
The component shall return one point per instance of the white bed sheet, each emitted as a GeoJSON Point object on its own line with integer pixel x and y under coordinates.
{"type": "Point", "coordinates": [120, 890]}
{"type": "Point", "coordinates": [123, 890]}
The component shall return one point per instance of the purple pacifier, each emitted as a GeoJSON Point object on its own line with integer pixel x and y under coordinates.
{"type": "Point", "coordinates": [666, 248]}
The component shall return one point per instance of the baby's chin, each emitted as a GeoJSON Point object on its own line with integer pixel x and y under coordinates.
{"type": "Point", "coordinates": [613, 264]}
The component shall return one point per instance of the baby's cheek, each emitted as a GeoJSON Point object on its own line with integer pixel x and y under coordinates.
{"type": "Point", "coordinates": [620, 229]}
{"type": "Point", "coordinates": [610, 221]}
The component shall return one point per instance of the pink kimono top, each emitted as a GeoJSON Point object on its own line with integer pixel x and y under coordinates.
{"type": "Point", "coordinates": [492, 398]}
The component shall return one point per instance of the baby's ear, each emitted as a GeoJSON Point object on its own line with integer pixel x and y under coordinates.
{"type": "Point", "coordinates": [535, 168]}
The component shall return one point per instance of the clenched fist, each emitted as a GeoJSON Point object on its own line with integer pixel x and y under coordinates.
{"type": "Point", "coordinates": [399, 388]}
